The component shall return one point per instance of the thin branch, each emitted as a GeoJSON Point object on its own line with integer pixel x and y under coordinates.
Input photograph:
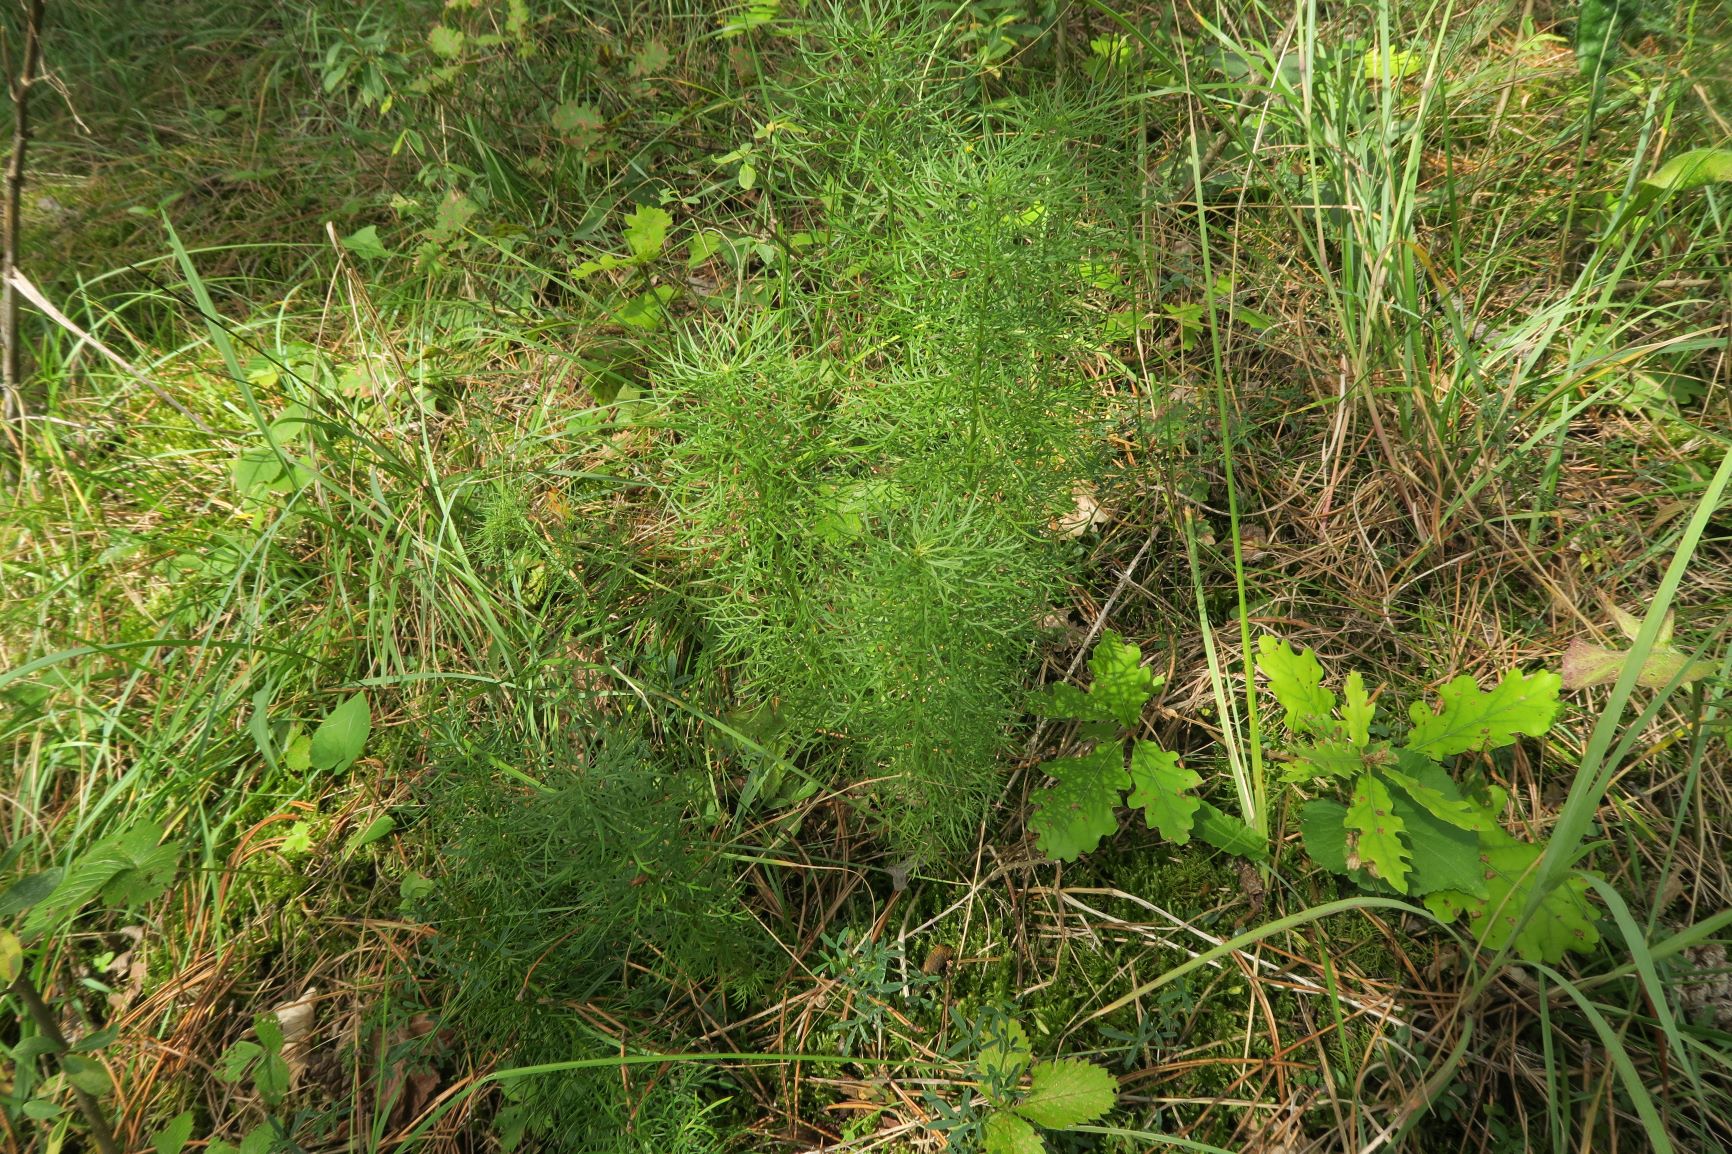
{"type": "Point", "coordinates": [11, 395]}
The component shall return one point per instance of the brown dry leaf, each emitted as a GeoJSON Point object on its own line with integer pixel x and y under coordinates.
{"type": "Point", "coordinates": [296, 1020]}
{"type": "Point", "coordinates": [1088, 514]}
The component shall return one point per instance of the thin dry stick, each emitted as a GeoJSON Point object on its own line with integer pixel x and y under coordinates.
{"type": "Point", "coordinates": [12, 402]}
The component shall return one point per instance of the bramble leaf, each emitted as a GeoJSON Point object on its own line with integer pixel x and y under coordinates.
{"type": "Point", "coordinates": [1471, 719]}
{"type": "Point", "coordinates": [1159, 784]}
{"type": "Point", "coordinates": [1122, 686]}
{"type": "Point", "coordinates": [1077, 811]}
{"type": "Point", "coordinates": [1378, 846]}
{"type": "Point", "coordinates": [1067, 1092]}
{"type": "Point", "coordinates": [128, 868]}
{"type": "Point", "coordinates": [1225, 832]}
{"type": "Point", "coordinates": [1324, 759]}
{"type": "Point", "coordinates": [1357, 711]}
{"type": "Point", "coordinates": [1008, 1134]}
{"type": "Point", "coordinates": [27, 891]}
{"type": "Point", "coordinates": [1296, 680]}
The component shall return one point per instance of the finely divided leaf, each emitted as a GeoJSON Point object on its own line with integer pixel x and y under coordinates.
{"type": "Point", "coordinates": [1159, 788]}
{"type": "Point", "coordinates": [1378, 845]}
{"type": "Point", "coordinates": [1077, 811]}
{"type": "Point", "coordinates": [1296, 680]}
{"type": "Point", "coordinates": [1469, 719]}
{"type": "Point", "coordinates": [1067, 1092]}
{"type": "Point", "coordinates": [1122, 686]}
{"type": "Point", "coordinates": [1357, 711]}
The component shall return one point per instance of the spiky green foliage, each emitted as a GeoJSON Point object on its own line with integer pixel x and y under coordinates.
{"type": "Point", "coordinates": [866, 469]}
{"type": "Point", "coordinates": [542, 895]}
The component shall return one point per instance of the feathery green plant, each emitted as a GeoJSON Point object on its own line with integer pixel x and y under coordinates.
{"type": "Point", "coordinates": [866, 470]}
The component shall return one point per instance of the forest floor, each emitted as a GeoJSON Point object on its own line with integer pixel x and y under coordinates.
{"type": "Point", "coordinates": [579, 575]}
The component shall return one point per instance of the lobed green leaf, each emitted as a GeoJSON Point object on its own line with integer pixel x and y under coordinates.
{"type": "Point", "coordinates": [1296, 680]}
{"type": "Point", "coordinates": [1159, 787]}
{"type": "Point", "coordinates": [1079, 809]}
{"type": "Point", "coordinates": [1468, 719]}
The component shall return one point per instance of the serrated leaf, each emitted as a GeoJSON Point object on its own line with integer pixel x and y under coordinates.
{"type": "Point", "coordinates": [261, 1139]}
{"type": "Point", "coordinates": [269, 1031]}
{"type": "Point", "coordinates": [172, 1138]}
{"type": "Point", "coordinates": [1078, 810]}
{"type": "Point", "coordinates": [342, 736]}
{"type": "Point", "coordinates": [1296, 680]}
{"type": "Point", "coordinates": [271, 1077]}
{"type": "Point", "coordinates": [1563, 921]}
{"type": "Point", "coordinates": [1371, 816]}
{"type": "Point", "coordinates": [237, 1060]}
{"type": "Point", "coordinates": [1122, 686]}
{"type": "Point", "coordinates": [1008, 1134]}
{"type": "Point", "coordinates": [1225, 832]}
{"type": "Point", "coordinates": [1357, 710]}
{"type": "Point", "coordinates": [1067, 1092]}
{"type": "Point", "coordinates": [646, 231]}
{"type": "Point", "coordinates": [149, 873]}
{"type": "Point", "coordinates": [1005, 1051]}
{"type": "Point", "coordinates": [1521, 704]}
{"type": "Point", "coordinates": [133, 852]}
{"type": "Point", "coordinates": [1334, 759]}
{"type": "Point", "coordinates": [1159, 786]}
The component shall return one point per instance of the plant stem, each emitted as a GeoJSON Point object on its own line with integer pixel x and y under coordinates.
{"type": "Point", "coordinates": [26, 992]}
{"type": "Point", "coordinates": [11, 397]}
